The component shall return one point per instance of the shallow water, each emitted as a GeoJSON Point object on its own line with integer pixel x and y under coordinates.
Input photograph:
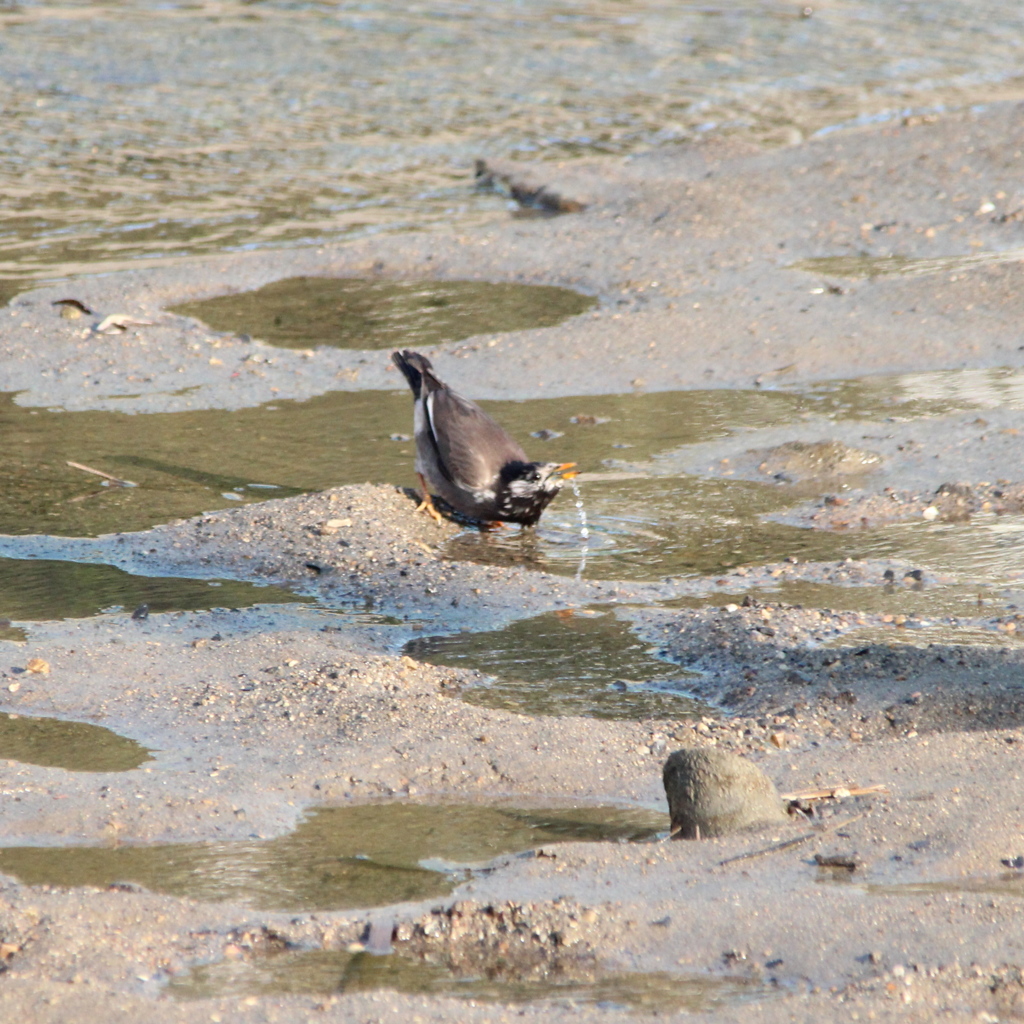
{"type": "Point", "coordinates": [73, 746]}
{"type": "Point", "coordinates": [577, 662]}
{"type": "Point", "coordinates": [1009, 883]}
{"type": "Point", "coordinates": [304, 312]}
{"type": "Point", "coordinates": [902, 597]}
{"type": "Point", "coordinates": [189, 462]}
{"type": "Point", "coordinates": [654, 528]}
{"type": "Point", "coordinates": [323, 972]}
{"type": "Point", "coordinates": [186, 462]}
{"type": "Point", "coordinates": [147, 131]}
{"type": "Point", "coordinates": [923, 635]}
{"type": "Point", "coordinates": [41, 589]}
{"type": "Point", "coordinates": [647, 517]}
{"type": "Point", "coordinates": [903, 266]}
{"type": "Point", "coordinates": [337, 858]}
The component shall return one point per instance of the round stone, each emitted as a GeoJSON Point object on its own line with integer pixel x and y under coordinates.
{"type": "Point", "coordinates": [713, 793]}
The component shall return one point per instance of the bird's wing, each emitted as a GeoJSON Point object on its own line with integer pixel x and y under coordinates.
{"type": "Point", "coordinates": [471, 447]}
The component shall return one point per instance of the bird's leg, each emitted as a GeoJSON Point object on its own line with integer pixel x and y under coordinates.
{"type": "Point", "coordinates": [427, 505]}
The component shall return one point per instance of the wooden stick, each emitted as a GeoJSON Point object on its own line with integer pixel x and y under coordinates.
{"type": "Point", "coordinates": [787, 843]}
{"type": "Point", "coordinates": [99, 472]}
{"type": "Point", "coordinates": [836, 793]}
{"type": "Point", "coordinates": [774, 848]}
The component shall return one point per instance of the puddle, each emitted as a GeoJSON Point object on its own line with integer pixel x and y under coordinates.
{"type": "Point", "coordinates": [74, 746]}
{"type": "Point", "coordinates": [323, 972]}
{"type": "Point", "coordinates": [37, 590]}
{"type": "Point", "coordinates": [337, 858]}
{"type": "Point", "coordinates": [902, 266]}
{"type": "Point", "coordinates": [14, 634]}
{"type": "Point", "coordinates": [305, 312]}
{"type": "Point", "coordinates": [568, 663]}
{"type": "Point", "coordinates": [186, 462]}
{"type": "Point", "coordinates": [649, 529]}
{"type": "Point", "coordinates": [1009, 883]}
{"type": "Point", "coordinates": [647, 518]}
{"type": "Point", "coordinates": [899, 598]}
{"type": "Point", "coordinates": [925, 635]}
{"type": "Point", "coordinates": [10, 288]}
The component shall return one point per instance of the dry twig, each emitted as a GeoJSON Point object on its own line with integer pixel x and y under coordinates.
{"type": "Point", "coordinates": [836, 793]}
{"type": "Point", "coordinates": [115, 480]}
{"type": "Point", "coordinates": [787, 843]}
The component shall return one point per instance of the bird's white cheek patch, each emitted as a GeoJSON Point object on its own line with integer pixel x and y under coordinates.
{"type": "Point", "coordinates": [521, 488]}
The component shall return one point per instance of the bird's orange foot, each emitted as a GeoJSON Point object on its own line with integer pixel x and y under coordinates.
{"type": "Point", "coordinates": [426, 505]}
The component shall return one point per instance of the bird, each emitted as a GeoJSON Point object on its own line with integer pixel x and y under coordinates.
{"type": "Point", "coordinates": [471, 462]}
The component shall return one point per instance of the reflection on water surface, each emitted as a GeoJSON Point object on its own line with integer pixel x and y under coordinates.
{"type": "Point", "coordinates": [576, 662]}
{"type": "Point", "coordinates": [648, 517]}
{"type": "Point", "coordinates": [304, 312]}
{"type": "Point", "coordinates": [40, 589]}
{"type": "Point", "coordinates": [74, 746]}
{"type": "Point", "coordinates": [326, 972]}
{"type": "Point", "coordinates": [337, 858]}
{"type": "Point", "coordinates": [186, 462]}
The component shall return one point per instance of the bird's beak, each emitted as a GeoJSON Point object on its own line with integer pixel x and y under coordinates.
{"type": "Point", "coordinates": [564, 470]}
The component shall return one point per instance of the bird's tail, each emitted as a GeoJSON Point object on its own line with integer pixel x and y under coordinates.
{"type": "Point", "coordinates": [417, 370]}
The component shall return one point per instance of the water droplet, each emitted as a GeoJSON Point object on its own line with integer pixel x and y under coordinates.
{"type": "Point", "coordinates": [584, 529]}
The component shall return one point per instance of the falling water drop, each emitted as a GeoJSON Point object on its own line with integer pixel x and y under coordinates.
{"type": "Point", "coordinates": [584, 530]}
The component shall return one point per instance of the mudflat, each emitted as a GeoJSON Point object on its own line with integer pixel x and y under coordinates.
{"type": "Point", "coordinates": [888, 681]}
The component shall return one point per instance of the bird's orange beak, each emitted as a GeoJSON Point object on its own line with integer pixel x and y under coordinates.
{"type": "Point", "coordinates": [563, 470]}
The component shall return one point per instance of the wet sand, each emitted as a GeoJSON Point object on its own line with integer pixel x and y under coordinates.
{"type": "Point", "coordinates": [257, 718]}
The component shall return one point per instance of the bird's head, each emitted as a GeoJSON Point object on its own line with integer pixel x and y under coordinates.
{"type": "Point", "coordinates": [527, 478]}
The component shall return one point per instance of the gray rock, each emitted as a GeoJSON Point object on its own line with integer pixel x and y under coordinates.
{"type": "Point", "coordinates": [713, 793]}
